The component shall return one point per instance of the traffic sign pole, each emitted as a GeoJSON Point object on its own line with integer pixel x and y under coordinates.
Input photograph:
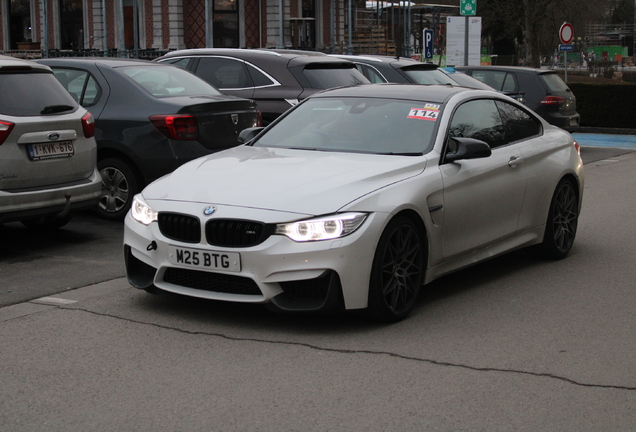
{"type": "Point", "coordinates": [566, 34]}
{"type": "Point", "coordinates": [467, 8]}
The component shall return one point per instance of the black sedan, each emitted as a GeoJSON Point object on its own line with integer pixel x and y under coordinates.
{"type": "Point", "coordinates": [150, 119]}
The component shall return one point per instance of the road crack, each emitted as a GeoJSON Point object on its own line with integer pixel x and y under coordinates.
{"type": "Point", "coordinates": [368, 352]}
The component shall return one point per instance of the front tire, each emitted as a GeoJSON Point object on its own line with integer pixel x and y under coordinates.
{"type": "Point", "coordinates": [119, 185]}
{"type": "Point", "coordinates": [398, 271]}
{"type": "Point", "coordinates": [562, 223]}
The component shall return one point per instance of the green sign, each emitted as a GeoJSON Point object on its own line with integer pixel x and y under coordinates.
{"type": "Point", "coordinates": [468, 7]}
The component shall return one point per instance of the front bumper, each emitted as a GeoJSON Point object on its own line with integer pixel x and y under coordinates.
{"type": "Point", "coordinates": [290, 276]}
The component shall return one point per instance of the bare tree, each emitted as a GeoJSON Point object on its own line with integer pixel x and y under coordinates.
{"type": "Point", "coordinates": [534, 24]}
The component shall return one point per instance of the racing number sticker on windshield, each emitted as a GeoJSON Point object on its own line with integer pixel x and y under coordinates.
{"type": "Point", "coordinates": [429, 112]}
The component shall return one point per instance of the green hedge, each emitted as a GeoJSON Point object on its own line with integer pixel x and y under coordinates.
{"type": "Point", "coordinates": [605, 105]}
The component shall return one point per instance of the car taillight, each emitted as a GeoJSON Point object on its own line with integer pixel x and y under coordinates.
{"type": "Point", "coordinates": [176, 126]}
{"type": "Point", "coordinates": [5, 130]}
{"type": "Point", "coordinates": [552, 100]}
{"type": "Point", "coordinates": [577, 147]}
{"type": "Point", "coordinates": [88, 124]}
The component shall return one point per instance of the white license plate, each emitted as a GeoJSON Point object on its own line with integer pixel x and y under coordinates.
{"type": "Point", "coordinates": [51, 150]}
{"type": "Point", "coordinates": [204, 259]}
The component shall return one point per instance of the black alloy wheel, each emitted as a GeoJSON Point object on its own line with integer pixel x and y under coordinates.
{"type": "Point", "coordinates": [119, 186]}
{"type": "Point", "coordinates": [563, 217]}
{"type": "Point", "coordinates": [398, 271]}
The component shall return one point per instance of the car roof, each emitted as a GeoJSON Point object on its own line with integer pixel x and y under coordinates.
{"type": "Point", "coordinates": [109, 61]}
{"type": "Point", "coordinates": [414, 92]}
{"type": "Point", "coordinates": [298, 57]}
{"type": "Point", "coordinates": [375, 59]}
{"type": "Point", "coordinates": [522, 69]}
{"type": "Point", "coordinates": [12, 62]}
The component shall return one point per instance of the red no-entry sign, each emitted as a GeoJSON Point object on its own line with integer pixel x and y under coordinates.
{"type": "Point", "coordinates": [566, 33]}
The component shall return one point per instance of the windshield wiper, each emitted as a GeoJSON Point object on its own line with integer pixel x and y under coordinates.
{"type": "Point", "coordinates": [311, 149]}
{"type": "Point", "coordinates": [56, 109]}
{"type": "Point", "coordinates": [402, 154]}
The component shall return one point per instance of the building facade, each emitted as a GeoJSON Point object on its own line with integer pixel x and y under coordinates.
{"type": "Point", "coordinates": [109, 25]}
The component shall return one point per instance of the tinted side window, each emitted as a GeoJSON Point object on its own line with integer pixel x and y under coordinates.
{"type": "Point", "coordinates": [494, 79]}
{"type": "Point", "coordinates": [259, 78]}
{"type": "Point", "coordinates": [181, 62]}
{"type": "Point", "coordinates": [80, 84]}
{"type": "Point", "coordinates": [518, 124]}
{"type": "Point", "coordinates": [224, 73]}
{"type": "Point", "coordinates": [479, 119]}
{"type": "Point", "coordinates": [371, 74]}
{"type": "Point", "coordinates": [30, 94]}
{"type": "Point", "coordinates": [509, 83]}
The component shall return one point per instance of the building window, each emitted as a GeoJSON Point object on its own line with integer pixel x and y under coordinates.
{"type": "Point", "coordinates": [71, 24]}
{"type": "Point", "coordinates": [226, 24]}
{"type": "Point", "coordinates": [19, 22]}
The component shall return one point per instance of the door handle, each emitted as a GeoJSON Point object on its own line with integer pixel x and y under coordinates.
{"type": "Point", "coordinates": [514, 161]}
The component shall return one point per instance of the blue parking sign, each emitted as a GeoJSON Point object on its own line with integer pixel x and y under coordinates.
{"type": "Point", "coordinates": [428, 44]}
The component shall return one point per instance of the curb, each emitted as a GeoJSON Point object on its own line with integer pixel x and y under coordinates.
{"type": "Point", "coordinates": [602, 130]}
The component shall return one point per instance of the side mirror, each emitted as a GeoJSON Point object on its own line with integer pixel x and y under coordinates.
{"type": "Point", "coordinates": [248, 134]}
{"type": "Point", "coordinates": [467, 148]}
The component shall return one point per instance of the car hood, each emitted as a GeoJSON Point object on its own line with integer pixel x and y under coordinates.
{"type": "Point", "coordinates": [298, 181]}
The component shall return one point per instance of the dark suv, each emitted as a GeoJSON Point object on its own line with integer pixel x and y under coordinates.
{"type": "Point", "coordinates": [275, 79]}
{"type": "Point", "coordinates": [545, 92]}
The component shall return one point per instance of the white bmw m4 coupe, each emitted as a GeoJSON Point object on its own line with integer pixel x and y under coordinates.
{"type": "Point", "coordinates": [357, 197]}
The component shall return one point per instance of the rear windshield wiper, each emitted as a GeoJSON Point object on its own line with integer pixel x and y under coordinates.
{"type": "Point", "coordinates": [56, 109]}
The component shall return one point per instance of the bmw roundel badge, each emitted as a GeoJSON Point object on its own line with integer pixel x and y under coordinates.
{"type": "Point", "coordinates": [209, 210]}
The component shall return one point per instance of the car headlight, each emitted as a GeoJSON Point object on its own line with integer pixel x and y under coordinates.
{"type": "Point", "coordinates": [323, 228]}
{"type": "Point", "coordinates": [142, 212]}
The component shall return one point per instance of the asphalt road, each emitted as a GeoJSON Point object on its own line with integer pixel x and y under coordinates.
{"type": "Point", "coordinates": [86, 251]}
{"type": "Point", "coordinates": [512, 344]}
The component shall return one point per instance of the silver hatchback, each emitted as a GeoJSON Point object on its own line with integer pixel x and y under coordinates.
{"type": "Point", "coordinates": [47, 149]}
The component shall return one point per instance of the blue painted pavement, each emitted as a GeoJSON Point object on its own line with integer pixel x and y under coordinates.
{"type": "Point", "coordinates": [605, 140]}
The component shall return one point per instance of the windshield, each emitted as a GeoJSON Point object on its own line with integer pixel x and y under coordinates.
{"type": "Point", "coordinates": [428, 76]}
{"type": "Point", "coordinates": [554, 82]}
{"type": "Point", "coordinates": [33, 94]}
{"type": "Point", "coordinates": [467, 81]}
{"type": "Point", "coordinates": [162, 81]}
{"type": "Point", "coordinates": [358, 125]}
{"type": "Point", "coordinates": [329, 76]}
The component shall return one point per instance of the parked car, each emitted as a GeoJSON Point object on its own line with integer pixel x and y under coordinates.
{"type": "Point", "coordinates": [545, 92]}
{"type": "Point", "coordinates": [150, 119]}
{"type": "Point", "coordinates": [355, 198]}
{"type": "Point", "coordinates": [467, 81]}
{"type": "Point", "coordinates": [275, 79]}
{"type": "Point", "coordinates": [401, 70]}
{"type": "Point", "coordinates": [47, 148]}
